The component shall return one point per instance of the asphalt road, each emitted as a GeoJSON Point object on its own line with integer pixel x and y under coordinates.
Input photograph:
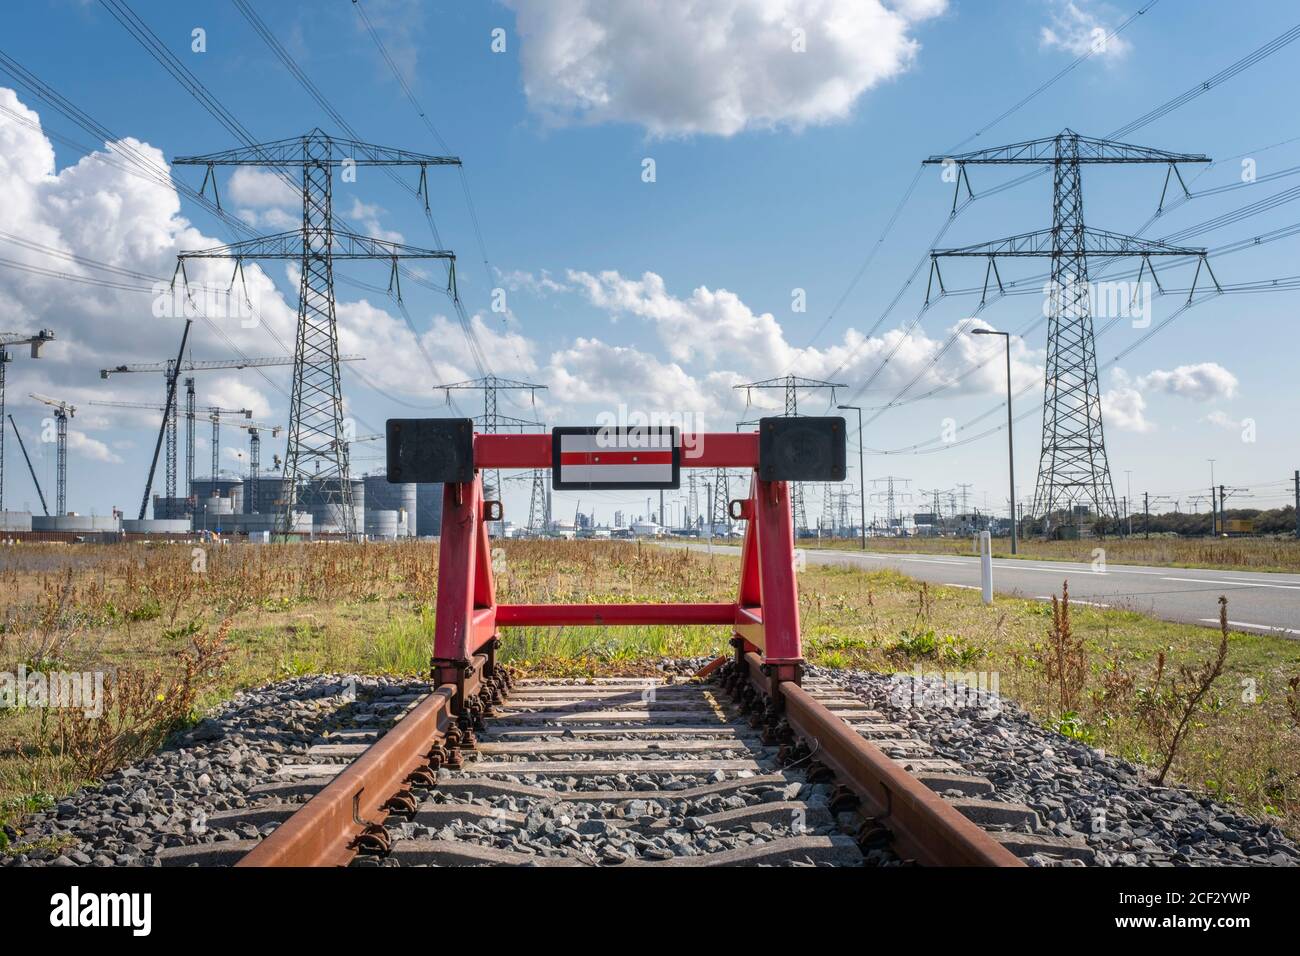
{"type": "Point", "coordinates": [1260, 603]}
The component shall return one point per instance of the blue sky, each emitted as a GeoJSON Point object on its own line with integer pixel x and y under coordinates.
{"type": "Point", "coordinates": [775, 171]}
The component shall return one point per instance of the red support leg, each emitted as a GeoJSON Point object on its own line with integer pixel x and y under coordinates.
{"type": "Point", "coordinates": [767, 606]}
{"type": "Point", "coordinates": [466, 605]}
{"type": "Point", "coordinates": [782, 649]}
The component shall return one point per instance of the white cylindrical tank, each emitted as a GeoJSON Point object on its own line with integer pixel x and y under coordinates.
{"type": "Point", "coordinates": [382, 525]}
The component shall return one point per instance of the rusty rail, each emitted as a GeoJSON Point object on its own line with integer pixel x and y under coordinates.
{"type": "Point", "coordinates": [328, 829]}
{"type": "Point", "coordinates": [923, 826]}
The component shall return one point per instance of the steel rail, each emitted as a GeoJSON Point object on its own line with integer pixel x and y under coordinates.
{"type": "Point", "coordinates": [924, 827]}
{"type": "Point", "coordinates": [325, 831]}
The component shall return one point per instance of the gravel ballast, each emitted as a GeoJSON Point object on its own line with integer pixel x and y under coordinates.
{"type": "Point", "coordinates": [165, 800]}
{"type": "Point", "coordinates": [1077, 790]}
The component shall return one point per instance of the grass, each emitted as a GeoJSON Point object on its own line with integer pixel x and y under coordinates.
{"type": "Point", "coordinates": [1224, 554]}
{"type": "Point", "coordinates": [299, 609]}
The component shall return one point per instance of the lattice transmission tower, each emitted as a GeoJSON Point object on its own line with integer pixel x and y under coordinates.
{"type": "Point", "coordinates": [492, 421]}
{"type": "Point", "coordinates": [719, 499]}
{"type": "Point", "coordinates": [791, 386]}
{"type": "Point", "coordinates": [1073, 468]}
{"type": "Point", "coordinates": [317, 453]}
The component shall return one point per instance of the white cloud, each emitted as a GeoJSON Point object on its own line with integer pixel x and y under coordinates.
{"type": "Point", "coordinates": [1077, 30]}
{"type": "Point", "coordinates": [716, 67]}
{"type": "Point", "coordinates": [539, 284]}
{"type": "Point", "coordinates": [258, 188]}
{"type": "Point", "coordinates": [365, 218]}
{"type": "Point", "coordinates": [715, 327]}
{"type": "Point", "coordinates": [1203, 382]}
{"type": "Point", "coordinates": [1223, 420]}
{"type": "Point", "coordinates": [594, 374]}
{"type": "Point", "coordinates": [226, 391]}
{"type": "Point", "coordinates": [1124, 408]}
{"type": "Point", "coordinates": [91, 448]}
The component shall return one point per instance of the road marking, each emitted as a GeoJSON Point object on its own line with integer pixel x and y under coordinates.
{"type": "Point", "coordinates": [968, 587]}
{"type": "Point", "coordinates": [1048, 597]}
{"type": "Point", "coordinates": [1258, 627]}
{"type": "Point", "coordinates": [1241, 583]}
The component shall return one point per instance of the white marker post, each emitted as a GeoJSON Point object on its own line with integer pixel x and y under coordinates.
{"type": "Point", "coordinates": [986, 566]}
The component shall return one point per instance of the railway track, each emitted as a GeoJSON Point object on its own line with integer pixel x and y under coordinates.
{"type": "Point", "coordinates": [703, 771]}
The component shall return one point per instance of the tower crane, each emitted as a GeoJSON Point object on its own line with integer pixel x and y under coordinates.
{"type": "Point", "coordinates": [35, 340]}
{"type": "Point", "coordinates": [214, 413]}
{"type": "Point", "coordinates": [254, 429]}
{"type": "Point", "coordinates": [62, 412]}
{"type": "Point", "coordinates": [171, 369]}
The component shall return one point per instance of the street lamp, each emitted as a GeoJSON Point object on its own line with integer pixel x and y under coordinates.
{"type": "Point", "coordinates": [1011, 454]}
{"type": "Point", "coordinates": [862, 475]}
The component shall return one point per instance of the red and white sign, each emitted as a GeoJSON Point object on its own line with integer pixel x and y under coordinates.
{"type": "Point", "coordinates": [615, 457]}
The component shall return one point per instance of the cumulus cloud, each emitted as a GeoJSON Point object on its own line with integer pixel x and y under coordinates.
{"type": "Point", "coordinates": [539, 284]}
{"type": "Point", "coordinates": [92, 448]}
{"type": "Point", "coordinates": [259, 188]}
{"type": "Point", "coordinates": [1078, 29]}
{"type": "Point", "coordinates": [715, 327]}
{"type": "Point", "coordinates": [711, 66]}
{"type": "Point", "coordinates": [226, 391]}
{"type": "Point", "coordinates": [1222, 419]}
{"type": "Point", "coordinates": [1203, 382]}
{"type": "Point", "coordinates": [1124, 408]}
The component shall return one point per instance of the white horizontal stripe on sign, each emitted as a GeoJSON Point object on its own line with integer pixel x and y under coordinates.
{"type": "Point", "coordinates": [614, 441]}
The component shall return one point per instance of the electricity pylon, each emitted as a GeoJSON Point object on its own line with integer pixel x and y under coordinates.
{"type": "Point", "coordinates": [492, 420]}
{"type": "Point", "coordinates": [719, 502]}
{"type": "Point", "coordinates": [791, 386]}
{"type": "Point", "coordinates": [318, 448]}
{"type": "Point", "coordinates": [891, 507]}
{"type": "Point", "coordinates": [1072, 466]}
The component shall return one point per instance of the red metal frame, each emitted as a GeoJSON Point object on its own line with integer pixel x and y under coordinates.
{"type": "Point", "coordinates": [764, 618]}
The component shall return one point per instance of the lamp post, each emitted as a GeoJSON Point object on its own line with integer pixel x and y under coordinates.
{"type": "Point", "coordinates": [862, 476]}
{"type": "Point", "coordinates": [1011, 454]}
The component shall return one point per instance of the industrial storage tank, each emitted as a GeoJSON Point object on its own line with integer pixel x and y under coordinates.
{"type": "Point", "coordinates": [221, 487]}
{"type": "Point", "coordinates": [272, 493]}
{"type": "Point", "coordinates": [164, 507]}
{"type": "Point", "coordinates": [383, 525]}
{"type": "Point", "coordinates": [15, 521]}
{"type": "Point", "coordinates": [71, 522]}
{"type": "Point", "coordinates": [428, 510]}
{"type": "Point", "coordinates": [327, 515]}
{"type": "Point", "coordinates": [381, 495]}
{"type": "Point", "coordinates": [410, 506]}
{"type": "Point", "coordinates": [254, 524]}
{"type": "Point", "coordinates": [156, 526]}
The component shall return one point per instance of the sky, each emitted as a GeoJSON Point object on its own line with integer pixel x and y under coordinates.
{"type": "Point", "coordinates": [658, 202]}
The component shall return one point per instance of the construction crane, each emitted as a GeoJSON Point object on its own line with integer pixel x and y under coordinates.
{"type": "Point", "coordinates": [189, 365]}
{"type": "Point", "coordinates": [171, 369]}
{"type": "Point", "coordinates": [35, 340]}
{"type": "Point", "coordinates": [214, 416]}
{"type": "Point", "coordinates": [214, 413]}
{"type": "Point", "coordinates": [254, 429]}
{"type": "Point", "coordinates": [62, 412]}
{"type": "Point", "coordinates": [35, 480]}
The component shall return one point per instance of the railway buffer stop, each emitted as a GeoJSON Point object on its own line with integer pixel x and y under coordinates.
{"type": "Point", "coordinates": [349, 815]}
{"type": "Point", "coordinates": [764, 618]}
